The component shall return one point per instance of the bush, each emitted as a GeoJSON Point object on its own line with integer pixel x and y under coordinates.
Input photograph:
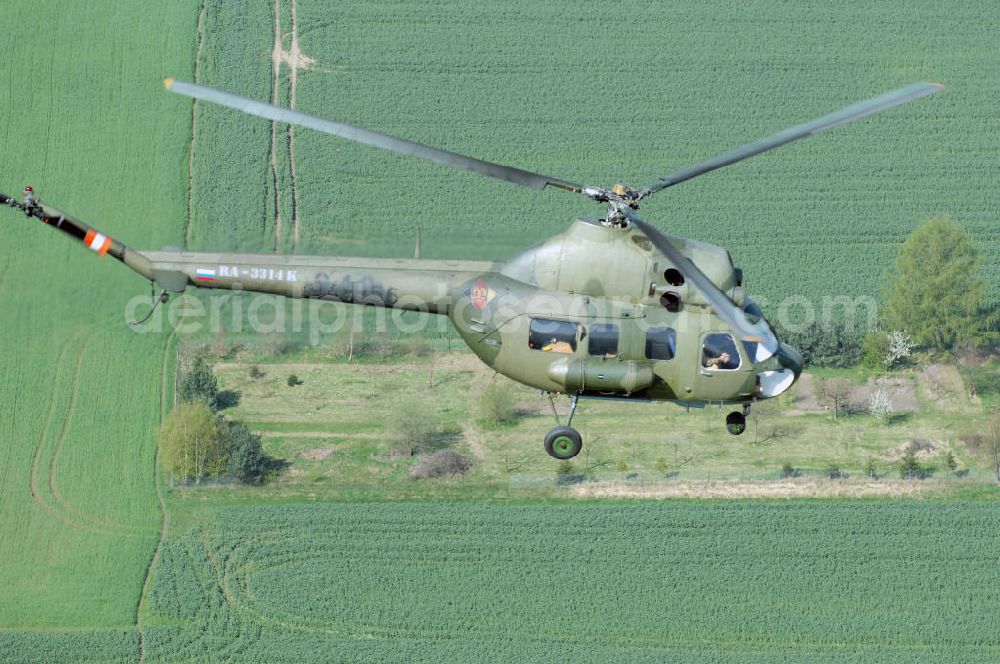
{"type": "Point", "coordinates": [256, 373]}
{"type": "Point", "coordinates": [833, 345]}
{"type": "Point", "coordinates": [443, 463]}
{"type": "Point", "coordinates": [910, 468]}
{"type": "Point", "coordinates": [498, 402]}
{"type": "Point", "coordinates": [787, 470]}
{"type": "Point", "coordinates": [871, 470]}
{"type": "Point", "coordinates": [876, 347]}
{"type": "Point", "coordinates": [200, 385]}
{"type": "Point", "coordinates": [294, 380]}
{"type": "Point", "coordinates": [414, 427]}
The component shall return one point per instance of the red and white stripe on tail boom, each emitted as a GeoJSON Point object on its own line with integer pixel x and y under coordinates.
{"type": "Point", "coordinates": [99, 242]}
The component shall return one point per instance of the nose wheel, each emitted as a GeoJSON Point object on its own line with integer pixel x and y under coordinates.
{"type": "Point", "coordinates": [736, 422]}
{"type": "Point", "coordinates": [563, 442]}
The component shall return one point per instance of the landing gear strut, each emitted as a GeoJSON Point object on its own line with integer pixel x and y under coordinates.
{"type": "Point", "coordinates": [736, 422]}
{"type": "Point", "coordinates": [563, 442]}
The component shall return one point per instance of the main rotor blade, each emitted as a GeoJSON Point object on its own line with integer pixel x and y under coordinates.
{"type": "Point", "coordinates": [732, 315]}
{"type": "Point", "coordinates": [843, 116]}
{"type": "Point", "coordinates": [367, 136]}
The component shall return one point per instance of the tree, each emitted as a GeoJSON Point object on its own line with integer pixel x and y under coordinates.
{"type": "Point", "coordinates": [246, 460]}
{"type": "Point", "coordinates": [190, 445]}
{"type": "Point", "coordinates": [880, 406]}
{"type": "Point", "coordinates": [935, 295]}
{"type": "Point", "coordinates": [200, 385]}
{"type": "Point", "coordinates": [833, 393]}
{"type": "Point", "coordinates": [993, 441]}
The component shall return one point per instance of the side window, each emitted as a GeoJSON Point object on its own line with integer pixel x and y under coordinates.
{"type": "Point", "coordinates": [603, 340]}
{"type": "Point", "coordinates": [554, 336]}
{"type": "Point", "coordinates": [719, 352]}
{"type": "Point", "coordinates": [661, 343]}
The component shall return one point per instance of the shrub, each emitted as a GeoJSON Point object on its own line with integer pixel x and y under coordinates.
{"type": "Point", "coordinates": [294, 380]}
{"type": "Point", "coordinates": [871, 470]}
{"type": "Point", "coordinates": [787, 470]}
{"type": "Point", "coordinates": [443, 463]}
{"type": "Point", "coordinates": [909, 467]}
{"type": "Point", "coordinates": [256, 373]}
{"type": "Point", "coordinates": [414, 427]}
{"type": "Point", "coordinates": [564, 468]}
{"type": "Point", "coordinates": [826, 345]}
{"type": "Point", "coordinates": [880, 406]}
{"type": "Point", "coordinates": [498, 402]}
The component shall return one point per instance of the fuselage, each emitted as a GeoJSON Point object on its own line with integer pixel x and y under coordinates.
{"type": "Point", "coordinates": [594, 311]}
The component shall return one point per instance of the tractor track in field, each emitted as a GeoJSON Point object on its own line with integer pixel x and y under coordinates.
{"type": "Point", "coordinates": [3, 275]}
{"type": "Point", "coordinates": [194, 125]}
{"type": "Point", "coordinates": [296, 61]}
{"type": "Point", "coordinates": [56, 505]}
{"type": "Point", "coordinates": [276, 58]}
{"type": "Point", "coordinates": [165, 520]}
{"type": "Point", "coordinates": [50, 416]}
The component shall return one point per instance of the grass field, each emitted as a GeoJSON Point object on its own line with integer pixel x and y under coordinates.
{"type": "Point", "coordinates": [336, 432]}
{"type": "Point", "coordinates": [597, 93]}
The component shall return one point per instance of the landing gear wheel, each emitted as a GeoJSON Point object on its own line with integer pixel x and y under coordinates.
{"type": "Point", "coordinates": [736, 423]}
{"type": "Point", "coordinates": [563, 443]}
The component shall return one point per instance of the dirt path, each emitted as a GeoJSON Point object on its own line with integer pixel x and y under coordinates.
{"type": "Point", "coordinates": [737, 489]}
{"type": "Point", "coordinates": [194, 124]}
{"type": "Point", "coordinates": [168, 361]}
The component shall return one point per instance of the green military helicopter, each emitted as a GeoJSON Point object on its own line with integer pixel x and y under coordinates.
{"type": "Point", "coordinates": [611, 308]}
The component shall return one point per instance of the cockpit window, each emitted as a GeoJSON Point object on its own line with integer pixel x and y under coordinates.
{"type": "Point", "coordinates": [554, 336]}
{"type": "Point", "coordinates": [603, 340]}
{"type": "Point", "coordinates": [719, 352]}
{"type": "Point", "coordinates": [661, 343]}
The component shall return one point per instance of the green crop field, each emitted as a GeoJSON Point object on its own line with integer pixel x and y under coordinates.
{"type": "Point", "coordinates": [613, 91]}
{"type": "Point", "coordinates": [590, 582]}
{"type": "Point", "coordinates": [86, 123]}
{"type": "Point", "coordinates": [594, 93]}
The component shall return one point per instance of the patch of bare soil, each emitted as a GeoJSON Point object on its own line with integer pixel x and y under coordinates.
{"type": "Point", "coordinates": [316, 454]}
{"type": "Point", "coordinates": [802, 487]}
{"type": "Point", "coordinates": [901, 393]}
{"type": "Point", "coordinates": [805, 397]}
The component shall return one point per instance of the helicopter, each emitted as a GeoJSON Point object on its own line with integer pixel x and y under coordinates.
{"type": "Point", "coordinates": [612, 308]}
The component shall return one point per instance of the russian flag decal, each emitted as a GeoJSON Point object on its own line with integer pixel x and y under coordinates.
{"type": "Point", "coordinates": [204, 274]}
{"type": "Point", "coordinates": [97, 241]}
